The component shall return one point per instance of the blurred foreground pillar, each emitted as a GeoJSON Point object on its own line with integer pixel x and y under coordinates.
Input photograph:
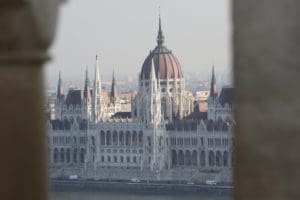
{"type": "Point", "coordinates": [267, 84]}
{"type": "Point", "coordinates": [26, 31]}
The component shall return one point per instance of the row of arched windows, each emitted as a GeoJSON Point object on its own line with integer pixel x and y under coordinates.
{"type": "Point", "coordinates": [121, 138]}
{"type": "Point", "coordinates": [190, 158]}
{"type": "Point", "coordinates": [66, 156]}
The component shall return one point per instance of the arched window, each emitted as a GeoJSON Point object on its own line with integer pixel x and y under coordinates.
{"type": "Point", "coordinates": [141, 138]}
{"type": "Point", "coordinates": [108, 138]}
{"type": "Point", "coordinates": [127, 140]}
{"type": "Point", "coordinates": [68, 157]}
{"type": "Point", "coordinates": [121, 138]}
{"type": "Point", "coordinates": [219, 159]}
{"type": "Point", "coordinates": [121, 159]}
{"type": "Point", "coordinates": [75, 155]}
{"type": "Point", "coordinates": [188, 158]}
{"type": "Point", "coordinates": [225, 159]}
{"type": "Point", "coordinates": [211, 159]}
{"type": "Point", "coordinates": [202, 159]}
{"type": "Point", "coordinates": [180, 157]}
{"type": "Point", "coordinates": [134, 138]}
{"type": "Point", "coordinates": [149, 141]}
{"type": "Point", "coordinates": [62, 155]}
{"type": "Point", "coordinates": [102, 138]}
{"type": "Point", "coordinates": [55, 156]}
{"type": "Point", "coordinates": [74, 140]}
{"type": "Point", "coordinates": [82, 155]}
{"type": "Point", "coordinates": [174, 158]}
{"type": "Point", "coordinates": [93, 140]}
{"type": "Point", "coordinates": [115, 138]}
{"type": "Point", "coordinates": [195, 158]}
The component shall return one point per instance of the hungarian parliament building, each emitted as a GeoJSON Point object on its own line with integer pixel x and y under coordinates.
{"type": "Point", "coordinates": [164, 135]}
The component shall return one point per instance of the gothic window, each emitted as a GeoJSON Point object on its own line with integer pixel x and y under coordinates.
{"type": "Point", "coordinates": [180, 157]}
{"type": "Point", "coordinates": [102, 138]}
{"type": "Point", "coordinates": [188, 158]}
{"type": "Point", "coordinates": [55, 156]}
{"type": "Point", "coordinates": [211, 159]}
{"type": "Point", "coordinates": [134, 159]}
{"type": "Point", "coordinates": [140, 138]}
{"type": "Point", "coordinates": [160, 140]}
{"type": "Point", "coordinates": [134, 138]}
{"type": "Point", "coordinates": [121, 138]}
{"type": "Point", "coordinates": [115, 138]}
{"type": "Point", "coordinates": [202, 158]}
{"type": "Point", "coordinates": [62, 155]}
{"type": "Point", "coordinates": [225, 159]}
{"type": "Point", "coordinates": [194, 158]}
{"type": "Point", "coordinates": [75, 155]}
{"type": "Point", "coordinates": [108, 158]}
{"type": "Point", "coordinates": [68, 156]}
{"type": "Point", "coordinates": [115, 159]}
{"type": "Point", "coordinates": [149, 141]}
{"type": "Point", "coordinates": [127, 139]}
{"type": "Point", "coordinates": [174, 158]}
{"type": "Point", "coordinates": [82, 154]}
{"type": "Point", "coordinates": [93, 140]}
{"type": "Point", "coordinates": [108, 138]}
{"type": "Point", "coordinates": [121, 159]}
{"type": "Point", "coordinates": [128, 159]}
{"type": "Point", "coordinates": [218, 159]}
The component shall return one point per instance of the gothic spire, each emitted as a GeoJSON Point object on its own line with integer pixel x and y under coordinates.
{"type": "Point", "coordinates": [96, 101]}
{"type": "Point", "coordinates": [86, 83]}
{"type": "Point", "coordinates": [113, 92]}
{"type": "Point", "coordinates": [160, 36]}
{"type": "Point", "coordinates": [97, 82]}
{"type": "Point", "coordinates": [60, 91]}
{"type": "Point", "coordinates": [213, 86]}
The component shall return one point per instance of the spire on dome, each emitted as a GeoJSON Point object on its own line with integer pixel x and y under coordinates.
{"type": "Point", "coordinates": [160, 36]}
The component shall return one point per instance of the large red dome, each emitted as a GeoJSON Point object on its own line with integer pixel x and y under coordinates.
{"type": "Point", "coordinates": [165, 63]}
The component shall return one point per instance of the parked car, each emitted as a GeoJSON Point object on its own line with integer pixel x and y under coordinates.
{"type": "Point", "coordinates": [73, 177]}
{"type": "Point", "coordinates": [210, 182]}
{"type": "Point", "coordinates": [135, 180]}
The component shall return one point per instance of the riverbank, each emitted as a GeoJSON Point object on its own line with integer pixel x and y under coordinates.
{"type": "Point", "coordinates": [159, 188]}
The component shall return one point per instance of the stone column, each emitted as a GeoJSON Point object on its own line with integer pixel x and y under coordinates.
{"type": "Point", "coordinates": [266, 65]}
{"type": "Point", "coordinates": [26, 31]}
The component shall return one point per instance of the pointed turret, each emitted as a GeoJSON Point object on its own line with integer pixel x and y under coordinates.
{"type": "Point", "coordinates": [213, 86]}
{"type": "Point", "coordinates": [97, 93]}
{"type": "Point", "coordinates": [113, 92]}
{"type": "Point", "coordinates": [160, 35]}
{"type": "Point", "coordinates": [60, 91]}
{"type": "Point", "coordinates": [86, 84]}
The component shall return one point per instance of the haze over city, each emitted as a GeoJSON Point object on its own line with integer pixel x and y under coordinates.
{"type": "Point", "coordinates": [123, 33]}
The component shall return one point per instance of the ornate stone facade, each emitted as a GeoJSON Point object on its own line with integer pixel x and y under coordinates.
{"type": "Point", "coordinates": [159, 141]}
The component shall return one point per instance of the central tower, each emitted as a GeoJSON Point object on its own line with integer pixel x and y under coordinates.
{"type": "Point", "coordinates": [170, 83]}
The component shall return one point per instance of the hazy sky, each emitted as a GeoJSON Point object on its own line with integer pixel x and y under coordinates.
{"type": "Point", "coordinates": [123, 32]}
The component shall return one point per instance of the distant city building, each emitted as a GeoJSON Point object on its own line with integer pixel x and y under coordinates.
{"type": "Point", "coordinates": [160, 136]}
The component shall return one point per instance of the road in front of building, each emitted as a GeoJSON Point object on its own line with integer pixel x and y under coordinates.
{"type": "Point", "coordinates": [88, 195]}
